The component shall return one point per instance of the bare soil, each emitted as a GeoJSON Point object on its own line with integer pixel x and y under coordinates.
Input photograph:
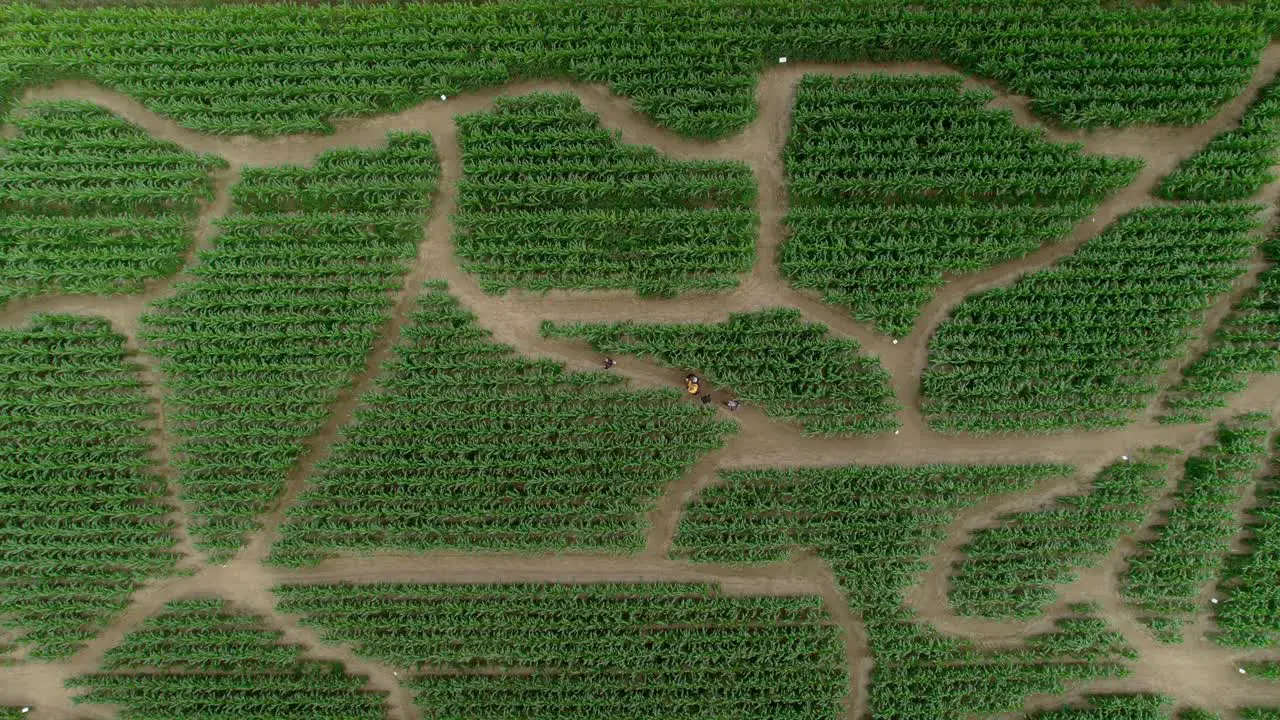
{"type": "Point", "coordinates": [1196, 672]}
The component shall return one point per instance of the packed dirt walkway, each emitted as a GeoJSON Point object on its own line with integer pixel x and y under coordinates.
{"type": "Point", "coordinates": [1199, 673]}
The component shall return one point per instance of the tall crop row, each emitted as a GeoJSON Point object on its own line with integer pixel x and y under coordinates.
{"type": "Point", "coordinates": [1235, 164]}
{"type": "Point", "coordinates": [201, 659]}
{"type": "Point", "coordinates": [1166, 578]}
{"type": "Point", "coordinates": [874, 526]}
{"type": "Point", "coordinates": [692, 65]}
{"type": "Point", "coordinates": [1247, 342]}
{"type": "Point", "coordinates": [81, 518]}
{"type": "Point", "coordinates": [1082, 344]}
{"type": "Point", "coordinates": [549, 199]}
{"type": "Point", "coordinates": [1010, 570]}
{"type": "Point", "coordinates": [771, 358]}
{"type": "Point", "coordinates": [91, 204]}
{"type": "Point", "coordinates": [282, 313]}
{"type": "Point", "coordinates": [896, 180]}
{"type": "Point", "coordinates": [1112, 707]}
{"type": "Point", "coordinates": [469, 446]}
{"type": "Point", "coordinates": [580, 652]}
{"type": "Point", "coordinates": [1249, 615]}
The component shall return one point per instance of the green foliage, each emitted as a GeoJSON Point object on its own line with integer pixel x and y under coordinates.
{"type": "Point", "coordinates": [282, 313]}
{"type": "Point", "coordinates": [873, 526]}
{"type": "Point", "coordinates": [91, 204]}
{"type": "Point", "coordinates": [1010, 570]}
{"type": "Point", "coordinates": [549, 199]}
{"type": "Point", "coordinates": [1259, 713]}
{"type": "Point", "coordinates": [1166, 577]}
{"type": "Point", "coordinates": [1249, 614]}
{"type": "Point", "coordinates": [199, 659]}
{"type": "Point", "coordinates": [468, 446]}
{"type": "Point", "coordinates": [1235, 164]}
{"type": "Point", "coordinates": [1198, 714]}
{"type": "Point", "coordinates": [11, 713]}
{"type": "Point", "coordinates": [1247, 342]}
{"type": "Point", "coordinates": [1112, 707]}
{"type": "Point", "coordinates": [896, 180]}
{"type": "Point", "coordinates": [578, 652]}
{"type": "Point", "coordinates": [770, 358]}
{"type": "Point", "coordinates": [1263, 669]}
{"type": "Point", "coordinates": [1082, 344]}
{"type": "Point", "coordinates": [82, 522]}
{"type": "Point", "coordinates": [691, 65]}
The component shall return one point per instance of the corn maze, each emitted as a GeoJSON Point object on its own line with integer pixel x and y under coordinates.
{"type": "Point", "coordinates": [341, 346]}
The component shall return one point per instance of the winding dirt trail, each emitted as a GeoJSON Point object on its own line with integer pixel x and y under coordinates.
{"type": "Point", "coordinates": [514, 319]}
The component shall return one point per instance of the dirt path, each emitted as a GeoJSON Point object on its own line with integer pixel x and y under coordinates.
{"type": "Point", "coordinates": [514, 319]}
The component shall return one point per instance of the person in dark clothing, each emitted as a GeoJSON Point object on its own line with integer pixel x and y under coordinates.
{"type": "Point", "coordinates": [609, 363]}
{"type": "Point", "coordinates": [706, 399]}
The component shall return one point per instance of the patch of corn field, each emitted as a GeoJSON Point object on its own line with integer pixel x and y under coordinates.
{"type": "Point", "coordinates": [549, 199]}
{"type": "Point", "coordinates": [770, 358]}
{"type": "Point", "coordinates": [1198, 714]}
{"type": "Point", "coordinates": [91, 204]}
{"type": "Point", "coordinates": [874, 525]}
{"type": "Point", "coordinates": [1249, 614]}
{"type": "Point", "coordinates": [1235, 164]}
{"type": "Point", "coordinates": [1259, 713]}
{"type": "Point", "coordinates": [466, 445]}
{"type": "Point", "coordinates": [503, 652]}
{"type": "Point", "coordinates": [82, 523]}
{"type": "Point", "coordinates": [896, 180]}
{"type": "Point", "coordinates": [1113, 707]}
{"type": "Point", "coordinates": [1247, 342]}
{"type": "Point", "coordinates": [1167, 576]}
{"type": "Point", "coordinates": [1082, 344]}
{"type": "Point", "coordinates": [692, 65]}
{"type": "Point", "coordinates": [1011, 570]}
{"type": "Point", "coordinates": [203, 659]}
{"type": "Point", "coordinates": [281, 315]}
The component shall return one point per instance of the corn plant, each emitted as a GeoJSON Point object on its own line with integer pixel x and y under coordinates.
{"type": "Point", "coordinates": [468, 446]}
{"type": "Point", "coordinates": [90, 204]}
{"type": "Point", "coordinates": [1083, 343]}
{"type": "Point", "coordinates": [770, 358]}
{"type": "Point", "coordinates": [1010, 570]}
{"type": "Point", "coordinates": [1166, 577]}
{"type": "Point", "coordinates": [202, 659]}
{"type": "Point", "coordinates": [280, 316]}
{"type": "Point", "coordinates": [82, 521]}
{"type": "Point", "coordinates": [549, 199]}
{"type": "Point", "coordinates": [691, 66]}
{"type": "Point", "coordinates": [897, 180]}
{"type": "Point", "coordinates": [588, 651]}
{"type": "Point", "coordinates": [874, 525]}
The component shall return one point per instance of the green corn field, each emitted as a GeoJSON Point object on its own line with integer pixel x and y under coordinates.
{"type": "Point", "coordinates": [589, 651]}
{"type": "Point", "coordinates": [82, 516]}
{"type": "Point", "coordinates": [895, 181]}
{"type": "Point", "coordinates": [770, 358]}
{"type": "Point", "coordinates": [549, 199]}
{"type": "Point", "coordinates": [1081, 344]}
{"type": "Point", "coordinates": [341, 346]}
{"type": "Point", "coordinates": [467, 446]}
{"type": "Point", "coordinates": [202, 658]}
{"type": "Point", "coordinates": [91, 204]}
{"type": "Point", "coordinates": [279, 317]}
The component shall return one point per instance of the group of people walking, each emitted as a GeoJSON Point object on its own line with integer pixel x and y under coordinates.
{"type": "Point", "coordinates": [692, 385]}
